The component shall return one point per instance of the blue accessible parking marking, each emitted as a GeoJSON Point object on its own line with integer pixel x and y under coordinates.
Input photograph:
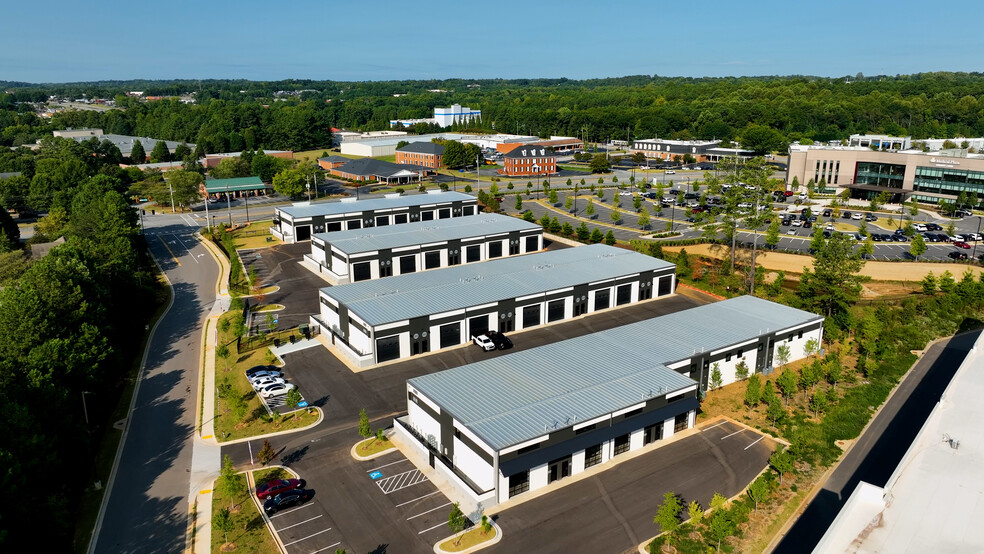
{"type": "Point", "coordinates": [375, 475]}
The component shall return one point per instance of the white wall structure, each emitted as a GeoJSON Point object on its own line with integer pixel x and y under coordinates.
{"type": "Point", "coordinates": [445, 117]}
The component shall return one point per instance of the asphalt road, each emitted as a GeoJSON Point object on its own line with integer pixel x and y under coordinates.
{"type": "Point", "coordinates": [147, 506]}
{"type": "Point", "coordinates": [879, 450]}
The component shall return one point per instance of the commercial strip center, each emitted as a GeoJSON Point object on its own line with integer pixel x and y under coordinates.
{"type": "Point", "coordinates": [517, 423]}
{"type": "Point", "coordinates": [358, 255]}
{"type": "Point", "coordinates": [298, 222]}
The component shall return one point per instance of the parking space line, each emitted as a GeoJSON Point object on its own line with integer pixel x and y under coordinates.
{"type": "Point", "coordinates": [301, 523]}
{"type": "Point", "coordinates": [443, 523]}
{"type": "Point", "coordinates": [428, 511]}
{"type": "Point", "coordinates": [732, 434]}
{"type": "Point", "coordinates": [712, 426]}
{"type": "Point", "coordinates": [387, 465]}
{"type": "Point", "coordinates": [401, 481]}
{"type": "Point", "coordinates": [753, 444]}
{"type": "Point", "coordinates": [307, 537]}
{"type": "Point", "coordinates": [418, 498]}
{"type": "Point", "coordinates": [326, 548]}
{"type": "Point", "coordinates": [291, 510]}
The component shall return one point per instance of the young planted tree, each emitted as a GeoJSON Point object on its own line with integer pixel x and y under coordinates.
{"type": "Point", "coordinates": [757, 491]}
{"type": "Point", "coordinates": [918, 246]}
{"type": "Point", "coordinates": [266, 453]}
{"type": "Point", "coordinates": [695, 513]}
{"type": "Point", "coordinates": [637, 202]}
{"type": "Point", "coordinates": [365, 431]}
{"type": "Point", "coordinates": [222, 522]}
{"type": "Point", "coordinates": [775, 411]}
{"type": "Point", "coordinates": [818, 403]}
{"type": "Point", "coordinates": [456, 521]}
{"type": "Point", "coordinates": [782, 354]}
{"type": "Point", "coordinates": [293, 398]}
{"type": "Point", "coordinates": [615, 215]}
{"type": "Point", "coordinates": [582, 232]}
{"type": "Point", "coordinates": [929, 284]}
{"type": "Point", "coordinates": [643, 218]}
{"type": "Point", "coordinates": [811, 347]}
{"type": "Point", "coordinates": [721, 527]}
{"type": "Point", "coordinates": [519, 202]}
{"type": "Point", "coordinates": [590, 209]}
{"type": "Point", "coordinates": [668, 514]}
{"type": "Point", "coordinates": [229, 482]}
{"type": "Point", "coordinates": [753, 390]}
{"type": "Point", "coordinates": [596, 236]}
{"type": "Point", "coordinates": [569, 203]}
{"type": "Point", "coordinates": [610, 238]}
{"type": "Point", "coordinates": [553, 197]}
{"type": "Point", "coordinates": [716, 376]}
{"type": "Point", "coordinates": [782, 462]}
{"type": "Point", "coordinates": [772, 234]}
{"type": "Point", "coordinates": [486, 522]}
{"type": "Point", "coordinates": [741, 370]}
{"type": "Point", "coordinates": [787, 382]}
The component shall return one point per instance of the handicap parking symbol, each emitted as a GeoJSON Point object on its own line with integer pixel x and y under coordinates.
{"type": "Point", "coordinates": [375, 475]}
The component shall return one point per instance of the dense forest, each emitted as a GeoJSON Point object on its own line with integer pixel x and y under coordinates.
{"type": "Point", "coordinates": [761, 112]}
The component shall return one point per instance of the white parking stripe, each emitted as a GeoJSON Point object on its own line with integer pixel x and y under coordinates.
{"type": "Point", "coordinates": [307, 537]}
{"type": "Point", "coordinates": [387, 465]}
{"type": "Point", "coordinates": [753, 444]}
{"type": "Point", "coordinates": [291, 510]}
{"type": "Point", "coordinates": [416, 499]}
{"type": "Point", "coordinates": [326, 548]}
{"type": "Point", "coordinates": [732, 434]}
{"type": "Point", "coordinates": [301, 523]}
{"type": "Point", "coordinates": [432, 528]}
{"type": "Point", "coordinates": [712, 426]}
{"type": "Point", "coordinates": [428, 511]}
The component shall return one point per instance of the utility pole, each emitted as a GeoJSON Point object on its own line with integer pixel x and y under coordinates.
{"type": "Point", "coordinates": [170, 188]}
{"type": "Point", "coordinates": [206, 207]}
{"type": "Point", "coordinates": [229, 205]}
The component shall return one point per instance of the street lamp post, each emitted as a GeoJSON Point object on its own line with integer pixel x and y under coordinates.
{"type": "Point", "coordinates": [85, 409]}
{"type": "Point", "coordinates": [307, 185]}
{"type": "Point", "coordinates": [170, 188]}
{"type": "Point", "coordinates": [229, 204]}
{"type": "Point", "coordinates": [978, 232]}
{"type": "Point", "coordinates": [206, 210]}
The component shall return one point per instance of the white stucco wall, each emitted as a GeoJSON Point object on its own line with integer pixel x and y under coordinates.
{"type": "Point", "coordinates": [424, 424]}
{"type": "Point", "coordinates": [477, 469]}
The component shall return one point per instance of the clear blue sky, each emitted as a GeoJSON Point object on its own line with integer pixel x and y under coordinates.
{"type": "Point", "coordinates": [68, 40]}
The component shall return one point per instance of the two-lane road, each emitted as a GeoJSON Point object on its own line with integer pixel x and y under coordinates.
{"type": "Point", "coordinates": [147, 503]}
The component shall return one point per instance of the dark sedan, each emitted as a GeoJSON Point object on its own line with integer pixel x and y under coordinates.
{"type": "Point", "coordinates": [277, 486]}
{"type": "Point", "coordinates": [286, 500]}
{"type": "Point", "coordinates": [500, 341]}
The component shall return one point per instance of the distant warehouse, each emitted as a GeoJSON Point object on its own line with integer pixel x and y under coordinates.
{"type": "Point", "coordinates": [388, 319]}
{"type": "Point", "coordinates": [363, 254]}
{"type": "Point", "coordinates": [517, 423]}
{"type": "Point", "coordinates": [298, 222]}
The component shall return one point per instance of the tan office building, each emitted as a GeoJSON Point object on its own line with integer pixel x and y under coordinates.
{"type": "Point", "coordinates": [927, 176]}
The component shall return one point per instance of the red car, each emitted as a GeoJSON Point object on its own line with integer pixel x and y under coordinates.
{"type": "Point", "coordinates": [960, 244]}
{"type": "Point", "coordinates": [276, 486]}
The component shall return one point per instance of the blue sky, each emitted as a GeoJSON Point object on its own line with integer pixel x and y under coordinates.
{"type": "Point", "coordinates": [68, 40]}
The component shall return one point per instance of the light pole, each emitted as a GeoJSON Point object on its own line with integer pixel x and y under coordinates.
{"type": "Point", "coordinates": [307, 185]}
{"type": "Point", "coordinates": [206, 208]}
{"type": "Point", "coordinates": [170, 188]}
{"type": "Point", "coordinates": [229, 205]}
{"type": "Point", "coordinates": [978, 232]}
{"type": "Point", "coordinates": [85, 409]}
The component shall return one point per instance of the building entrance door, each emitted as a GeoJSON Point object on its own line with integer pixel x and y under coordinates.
{"type": "Point", "coordinates": [558, 469]}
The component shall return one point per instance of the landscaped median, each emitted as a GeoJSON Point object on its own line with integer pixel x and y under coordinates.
{"type": "Point", "coordinates": [486, 533]}
{"type": "Point", "coordinates": [237, 524]}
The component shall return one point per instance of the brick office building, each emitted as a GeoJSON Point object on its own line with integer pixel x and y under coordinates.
{"type": "Point", "coordinates": [529, 160]}
{"type": "Point", "coordinates": [426, 154]}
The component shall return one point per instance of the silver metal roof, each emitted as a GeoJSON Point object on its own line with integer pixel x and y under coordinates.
{"type": "Point", "coordinates": [421, 294]}
{"type": "Point", "coordinates": [380, 203]}
{"type": "Point", "coordinates": [521, 396]}
{"type": "Point", "coordinates": [423, 232]}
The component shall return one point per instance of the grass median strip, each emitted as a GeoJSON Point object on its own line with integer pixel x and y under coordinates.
{"type": "Point", "coordinates": [246, 531]}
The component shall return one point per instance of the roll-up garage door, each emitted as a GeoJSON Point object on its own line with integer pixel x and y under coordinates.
{"type": "Point", "coordinates": [450, 334]}
{"type": "Point", "coordinates": [387, 348]}
{"type": "Point", "coordinates": [664, 285]}
{"type": "Point", "coordinates": [478, 325]}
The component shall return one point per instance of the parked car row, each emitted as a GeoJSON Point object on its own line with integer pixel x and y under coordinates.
{"type": "Point", "coordinates": [492, 340]}
{"type": "Point", "coordinates": [268, 381]}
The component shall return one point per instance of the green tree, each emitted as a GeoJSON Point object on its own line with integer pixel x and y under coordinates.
{"type": "Point", "coordinates": [232, 167]}
{"type": "Point", "coordinates": [775, 411]}
{"type": "Point", "coordinates": [913, 207]}
{"type": "Point", "coordinates": [918, 246]}
{"type": "Point", "coordinates": [818, 403]}
{"type": "Point", "coordinates": [266, 452]}
{"type": "Point", "coordinates": [683, 262]}
{"type": "Point", "coordinates": [589, 210]}
{"type": "Point", "coordinates": [721, 526]}
{"type": "Point", "coordinates": [289, 183]}
{"type": "Point", "coordinates": [486, 525]}
{"type": "Point", "coordinates": [230, 483]}
{"type": "Point", "coordinates": [365, 431]}
{"type": "Point", "coordinates": [786, 382]}
{"type": "Point", "coordinates": [929, 283]}
{"type": "Point", "coordinates": [553, 197]}
{"type": "Point", "coordinates": [946, 283]}
{"type": "Point", "coordinates": [715, 376]}
{"type": "Point", "coordinates": [186, 186]}
{"type": "Point", "coordinates": [772, 234]}
{"type": "Point", "coordinates": [753, 390]}
{"type": "Point", "coordinates": [137, 153]}
{"type": "Point", "coordinates": [519, 202]}
{"type": "Point", "coordinates": [293, 398]}
{"type": "Point", "coordinates": [599, 164]}
{"type": "Point", "coordinates": [834, 283]}
{"type": "Point", "coordinates": [758, 491]}
{"type": "Point", "coordinates": [867, 247]}
{"type": "Point", "coordinates": [668, 513]}
{"type": "Point", "coordinates": [741, 370]}
{"type": "Point", "coordinates": [643, 218]}
{"type": "Point", "coordinates": [456, 521]}
{"type": "Point", "coordinates": [615, 215]}
{"type": "Point", "coordinates": [695, 513]}
{"type": "Point", "coordinates": [610, 238]}
{"type": "Point", "coordinates": [160, 153]}
{"type": "Point", "coordinates": [781, 462]}
{"type": "Point", "coordinates": [528, 216]}
{"type": "Point", "coordinates": [222, 522]}
{"type": "Point", "coordinates": [596, 236]}
{"type": "Point", "coordinates": [568, 203]}
{"type": "Point", "coordinates": [636, 202]}
{"type": "Point", "coordinates": [582, 232]}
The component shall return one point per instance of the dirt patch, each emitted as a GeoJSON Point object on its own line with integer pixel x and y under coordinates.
{"type": "Point", "coordinates": [794, 263]}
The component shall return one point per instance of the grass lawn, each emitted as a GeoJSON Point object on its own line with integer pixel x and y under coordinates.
{"type": "Point", "coordinates": [249, 533]}
{"type": "Point", "coordinates": [106, 451]}
{"type": "Point", "coordinates": [256, 235]}
{"type": "Point", "coordinates": [268, 308]}
{"type": "Point", "coordinates": [391, 158]}
{"type": "Point", "coordinates": [468, 540]}
{"type": "Point", "coordinates": [313, 155]}
{"type": "Point", "coordinates": [240, 413]}
{"type": "Point", "coordinates": [372, 446]}
{"type": "Point", "coordinates": [261, 476]}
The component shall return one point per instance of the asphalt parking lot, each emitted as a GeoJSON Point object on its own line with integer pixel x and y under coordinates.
{"type": "Point", "coordinates": [613, 510]}
{"type": "Point", "coordinates": [307, 528]}
{"type": "Point", "coordinates": [415, 501]}
{"type": "Point", "coordinates": [280, 266]}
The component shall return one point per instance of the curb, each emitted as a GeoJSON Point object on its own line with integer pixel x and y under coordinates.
{"type": "Point", "coordinates": [321, 417]}
{"type": "Point", "coordinates": [221, 286]}
{"type": "Point", "coordinates": [251, 486]}
{"type": "Point", "coordinates": [485, 544]}
{"type": "Point", "coordinates": [371, 456]}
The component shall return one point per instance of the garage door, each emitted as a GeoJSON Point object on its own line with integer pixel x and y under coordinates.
{"type": "Point", "coordinates": [387, 348]}
{"type": "Point", "coordinates": [450, 335]}
{"type": "Point", "coordinates": [531, 316]}
{"type": "Point", "coordinates": [303, 232]}
{"type": "Point", "coordinates": [478, 325]}
{"type": "Point", "coordinates": [333, 226]}
{"type": "Point", "coordinates": [664, 285]}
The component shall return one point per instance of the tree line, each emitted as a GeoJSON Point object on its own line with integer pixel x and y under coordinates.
{"type": "Point", "coordinates": [68, 334]}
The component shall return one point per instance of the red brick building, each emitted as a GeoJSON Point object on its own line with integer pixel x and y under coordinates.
{"type": "Point", "coordinates": [426, 154]}
{"type": "Point", "coordinates": [529, 160]}
{"type": "Point", "coordinates": [331, 162]}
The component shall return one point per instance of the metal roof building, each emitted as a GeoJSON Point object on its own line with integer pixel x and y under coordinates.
{"type": "Point", "coordinates": [538, 415]}
{"type": "Point", "coordinates": [300, 221]}
{"type": "Point", "coordinates": [392, 318]}
{"type": "Point", "coordinates": [363, 254]}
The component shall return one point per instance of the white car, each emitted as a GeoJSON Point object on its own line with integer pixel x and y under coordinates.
{"type": "Point", "coordinates": [279, 389]}
{"type": "Point", "coordinates": [797, 223]}
{"type": "Point", "coordinates": [975, 236]}
{"type": "Point", "coordinates": [828, 227]}
{"type": "Point", "coordinates": [791, 231]}
{"type": "Point", "coordinates": [266, 382]}
{"type": "Point", "coordinates": [857, 216]}
{"type": "Point", "coordinates": [264, 374]}
{"type": "Point", "coordinates": [920, 227]}
{"type": "Point", "coordinates": [484, 342]}
{"type": "Point", "coordinates": [625, 193]}
{"type": "Point", "coordinates": [670, 172]}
